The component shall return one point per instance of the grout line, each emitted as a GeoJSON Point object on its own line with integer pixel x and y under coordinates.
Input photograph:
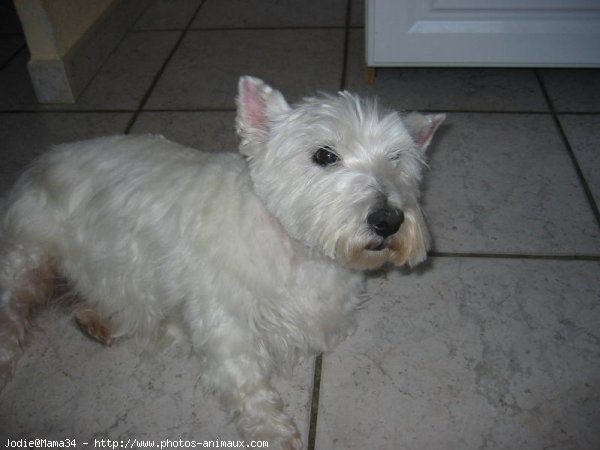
{"type": "Point", "coordinates": [584, 184]}
{"type": "Point", "coordinates": [13, 56]}
{"type": "Point", "coordinates": [67, 111]}
{"type": "Point", "coordinates": [577, 113]}
{"type": "Point", "coordinates": [297, 28]}
{"type": "Point", "coordinates": [51, 109]}
{"type": "Point", "coordinates": [158, 74]}
{"type": "Point", "coordinates": [184, 110]}
{"type": "Point", "coordinates": [529, 256]}
{"type": "Point", "coordinates": [323, 27]}
{"type": "Point", "coordinates": [545, 92]}
{"type": "Point", "coordinates": [316, 390]}
{"type": "Point", "coordinates": [580, 175]}
{"type": "Point", "coordinates": [343, 79]}
{"type": "Point", "coordinates": [91, 111]}
{"type": "Point", "coordinates": [108, 56]}
{"type": "Point", "coordinates": [487, 111]}
{"type": "Point", "coordinates": [314, 404]}
{"type": "Point", "coordinates": [157, 30]}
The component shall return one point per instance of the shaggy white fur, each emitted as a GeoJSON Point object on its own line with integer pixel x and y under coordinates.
{"type": "Point", "coordinates": [257, 256]}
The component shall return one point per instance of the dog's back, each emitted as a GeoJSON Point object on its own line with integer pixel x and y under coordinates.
{"type": "Point", "coordinates": [98, 215]}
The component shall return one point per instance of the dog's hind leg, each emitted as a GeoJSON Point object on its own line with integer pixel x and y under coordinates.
{"type": "Point", "coordinates": [91, 323]}
{"type": "Point", "coordinates": [26, 281]}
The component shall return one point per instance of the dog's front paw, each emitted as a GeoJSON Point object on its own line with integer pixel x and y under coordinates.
{"type": "Point", "coordinates": [261, 418]}
{"type": "Point", "coordinates": [293, 443]}
{"type": "Point", "coordinates": [280, 432]}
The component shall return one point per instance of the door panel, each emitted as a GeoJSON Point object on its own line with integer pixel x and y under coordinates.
{"type": "Point", "coordinates": [483, 32]}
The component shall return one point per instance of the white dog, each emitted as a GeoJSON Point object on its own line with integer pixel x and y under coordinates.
{"type": "Point", "coordinates": [256, 256]}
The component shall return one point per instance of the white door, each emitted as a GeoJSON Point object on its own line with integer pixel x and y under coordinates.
{"type": "Point", "coordinates": [483, 33]}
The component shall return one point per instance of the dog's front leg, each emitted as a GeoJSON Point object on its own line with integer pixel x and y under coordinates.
{"type": "Point", "coordinates": [240, 376]}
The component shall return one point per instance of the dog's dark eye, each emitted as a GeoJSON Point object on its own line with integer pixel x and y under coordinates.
{"type": "Point", "coordinates": [325, 156]}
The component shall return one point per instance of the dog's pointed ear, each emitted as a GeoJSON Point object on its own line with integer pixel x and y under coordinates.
{"type": "Point", "coordinates": [257, 104]}
{"type": "Point", "coordinates": [422, 127]}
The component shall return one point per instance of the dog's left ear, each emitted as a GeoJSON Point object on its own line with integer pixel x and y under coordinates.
{"type": "Point", "coordinates": [422, 127]}
{"type": "Point", "coordinates": [257, 104]}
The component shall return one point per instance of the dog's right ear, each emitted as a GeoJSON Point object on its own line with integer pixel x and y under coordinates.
{"type": "Point", "coordinates": [422, 127]}
{"type": "Point", "coordinates": [257, 104]}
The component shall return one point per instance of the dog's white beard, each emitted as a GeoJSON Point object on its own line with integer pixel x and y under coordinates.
{"type": "Point", "coordinates": [408, 246]}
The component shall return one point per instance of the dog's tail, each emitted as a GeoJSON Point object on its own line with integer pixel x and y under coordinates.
{"type": "Point", "coordinates": [26, 281]}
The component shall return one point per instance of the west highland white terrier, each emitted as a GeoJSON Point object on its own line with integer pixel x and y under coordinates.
{"type": "Point", "coordinates": [256, 256]}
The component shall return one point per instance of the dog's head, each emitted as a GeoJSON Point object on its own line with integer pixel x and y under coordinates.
{"type": "Point", "coordinates": [340, 175]}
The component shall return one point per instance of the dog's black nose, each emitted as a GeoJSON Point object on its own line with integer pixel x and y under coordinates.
{"type": "Point", "coordinates": [385, 221]}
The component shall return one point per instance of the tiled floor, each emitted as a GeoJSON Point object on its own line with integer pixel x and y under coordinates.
{"type": "Point", "coordinates": [494, 344]}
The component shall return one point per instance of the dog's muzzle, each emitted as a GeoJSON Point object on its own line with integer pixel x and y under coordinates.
{"type": "Point", "coordinates": [385, 221]}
